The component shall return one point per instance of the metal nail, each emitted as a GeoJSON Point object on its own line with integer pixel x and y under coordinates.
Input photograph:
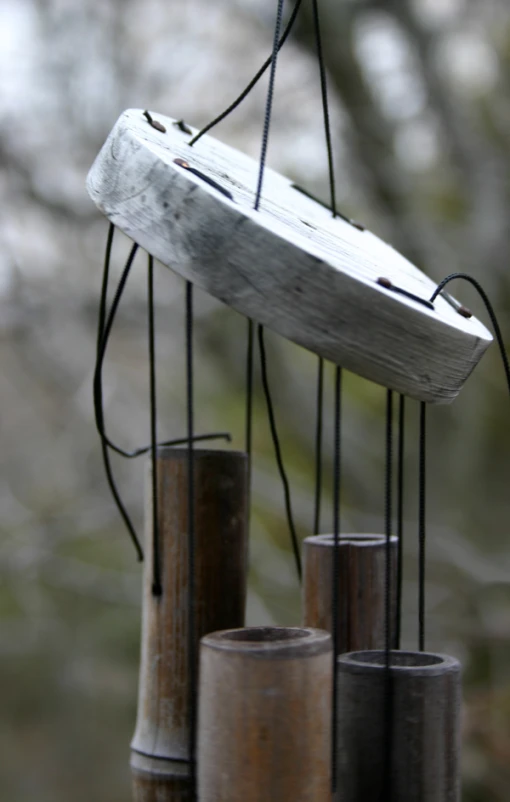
{"type": "Point", "coordinates": [182, 126]}
{"type": "Point", "coordinates": [154, 123]}
{"type": "Point", "coordinates": [385, 282]}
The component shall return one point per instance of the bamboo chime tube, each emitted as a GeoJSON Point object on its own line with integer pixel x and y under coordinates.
{"type": "Point", "coordinates": [160, 747]}
{"type": "Point", "coordinates": [398, 732]}
{"type": "Point", "coordinates": [361, 579]}
{"type": "Point", "coordinates": [265, 716]}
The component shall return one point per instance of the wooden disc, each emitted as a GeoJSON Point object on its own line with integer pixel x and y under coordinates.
{"type": "Point", "coordinates": [290, 265]}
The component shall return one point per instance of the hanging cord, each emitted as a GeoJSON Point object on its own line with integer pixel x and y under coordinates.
{"type": "Point", "coordinates": [192, 651]}
{"type": "Point", "coordinates": [388, 523]}
{"type": "Point", "coordinates": [269, 104]}
{"type": "Point", "coordinates": [249, 388]}
{"type": "Point", "coordinates": [105, 324]}
{"type": "Point", "coordinates": [386, 790]}
{"type": "Point", "coordinates": [104, 328]}
{"type": "Point", "coordinates": [506, 367]}
{"type": "Point", "coordinates": [490, 310]}
{"type": "Point", "coordinates": [278, 450]}
{"type": "Point", "coordinates": [156, 566]}
{"type": "Point", "coordinates": [325, 104]}
{"type": "Point", "coordinates": [318, 447]}
{"type": "Point", "coordinates": [253, 82]}
{"type": "Point", "coordinates": [335, 589]}
{"type": "Point", "coordinates": [103, 331]}
{"type": "Point", "coordinates": [421, 527]}
{"type": "Point", "coordinates": [400, 518]}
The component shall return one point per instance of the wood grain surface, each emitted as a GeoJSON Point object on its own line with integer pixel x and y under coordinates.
{"type": "Point", "coordinates": [265, 716]}
{"type": "Point", "coordinates": [160, 746]}
{"type": "Point", "coordinates": [361, 584]}
{"type": "Point", "coordinates": [289, 266]}
{"type": "Point", "coordinates": [423, 740]}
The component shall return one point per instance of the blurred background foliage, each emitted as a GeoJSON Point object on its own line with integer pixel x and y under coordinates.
{"type": "Point", "coordinates": [420, 94]}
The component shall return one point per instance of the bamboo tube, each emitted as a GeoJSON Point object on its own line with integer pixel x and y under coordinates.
{"type": "Point", "coordinates": [404, 731]}
{"type": "Point", "coordinates": [160, 746]}
{"type": "Point", "coordinates": [265, 716]}
{"type": "Point", "coordinates": [361, 577]}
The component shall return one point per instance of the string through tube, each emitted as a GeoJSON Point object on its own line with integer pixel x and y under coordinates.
{"type": "Point", "coordinates": [421, 528]}
{"type": "Point", "coordinates": [400, 517]}
{"type": "Point", "coordinates": [269, 104]}
{"type": "Point", "coordinates": [278, 451]}
{"type": "Point", "coordinates": [254, 81]}
{"type": "Point", "coordinates": [388, 515]}
{"type": "Point", "coordinates": [335, 594]}
{"type": "Point", "coordinates": [156, 564]}
{"type": "Point", "coordinates": [192, 652]}
{"type": "Point", "coordinates": [318, 447]}
{"type": "Point", "coordinates": [325, 104]}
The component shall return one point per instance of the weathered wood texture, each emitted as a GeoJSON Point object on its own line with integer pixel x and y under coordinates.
{"type": "Point", "coordinates": [160, 746]}
{"type": "Point", "coordinates": [265, 716]}
{"type": "Point", "coordinates": [289, 266]}
{"type": "Point", "coordinates": [424, 739]}
{"type": "Point", "coordinates": [361, 578]}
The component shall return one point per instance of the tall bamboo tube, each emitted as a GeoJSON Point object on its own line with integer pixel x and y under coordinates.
{"type": "Point", "coordinates": [160, 746]}
{"type": "Point", "coordinates": [265, 716]}
{"type": "Point", "coordinates": [398, 734]}
{"type": "Point", "coordinates": [361, 577]}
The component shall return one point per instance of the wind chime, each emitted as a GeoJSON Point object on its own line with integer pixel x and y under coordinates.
{"type": "Point", "coordinates": [279, 714]}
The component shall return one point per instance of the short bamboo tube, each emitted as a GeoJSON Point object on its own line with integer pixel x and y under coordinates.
{"type": "Point", "coordinates": [160, 746]}
{"type": "Point", "coordinates": [403, 734]}
{"type": "Point", "coordinates": [265, 716]}
{"type": "Point", "coordinates": [361, 579]}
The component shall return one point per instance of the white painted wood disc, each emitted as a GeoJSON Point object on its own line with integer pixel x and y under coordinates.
{"type": "Point", "coordinates": [289, 266]}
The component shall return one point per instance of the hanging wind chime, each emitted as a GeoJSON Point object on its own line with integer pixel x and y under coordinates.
{"type": "Point", "coordinates": [279, 714]}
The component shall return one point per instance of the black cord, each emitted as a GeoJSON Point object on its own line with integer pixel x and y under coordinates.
{"type": "Point", "coordinates": [269, 103]}
{"type": "Point", "coordinates": [386, 790]}
{"type": "Point", "coordinates": [421, 528]}
{"type": "Point", "coordinates": [318, 447]}
{"type": "Point", "coordinates": [400, 518]}
{"type": "Point", "coordinates": [506, 367]}
{"type": "Point", "coordinates": [335, 589]}
{"type": "Point", "coordinates": [156, 562]}
{"type": "Point", "coordinates": [253, 81]}
{"type": "Point", "coordinates": [103, 331]}
{"type": "Point", "coordinates": [249, 388]}
{"type": "Point", "coordinates": [490, 311]}
{"type": "Point", "coordinates": [192, 651]}
{"type": "Point", "coordinates": [105, 325]}
{"type": "Point", "coordinates": [325, 104]}
{"type": "Point", "coordinates": [388, 523]}
{"type": "Point", "coordinates": [104, 328]}
{"type": "Point", "coordinates": [278, 451]}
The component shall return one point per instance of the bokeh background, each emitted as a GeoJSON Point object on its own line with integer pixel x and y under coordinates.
{"type": "Point", "coordinates": [420, 96]}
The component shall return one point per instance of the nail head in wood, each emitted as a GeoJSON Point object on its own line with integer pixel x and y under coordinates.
{"type": "Point", "coordinates": [289, 265]}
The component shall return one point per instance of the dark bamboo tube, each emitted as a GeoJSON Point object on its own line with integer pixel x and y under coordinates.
{"type": "Point", "coordinates": [401, 735]}
{"type": "Point", "coordinates": [160, 758]}
{"type": "Point", "coordinates": [362, 577]}
{"type": "Point", "coordinates": [265, 716]}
